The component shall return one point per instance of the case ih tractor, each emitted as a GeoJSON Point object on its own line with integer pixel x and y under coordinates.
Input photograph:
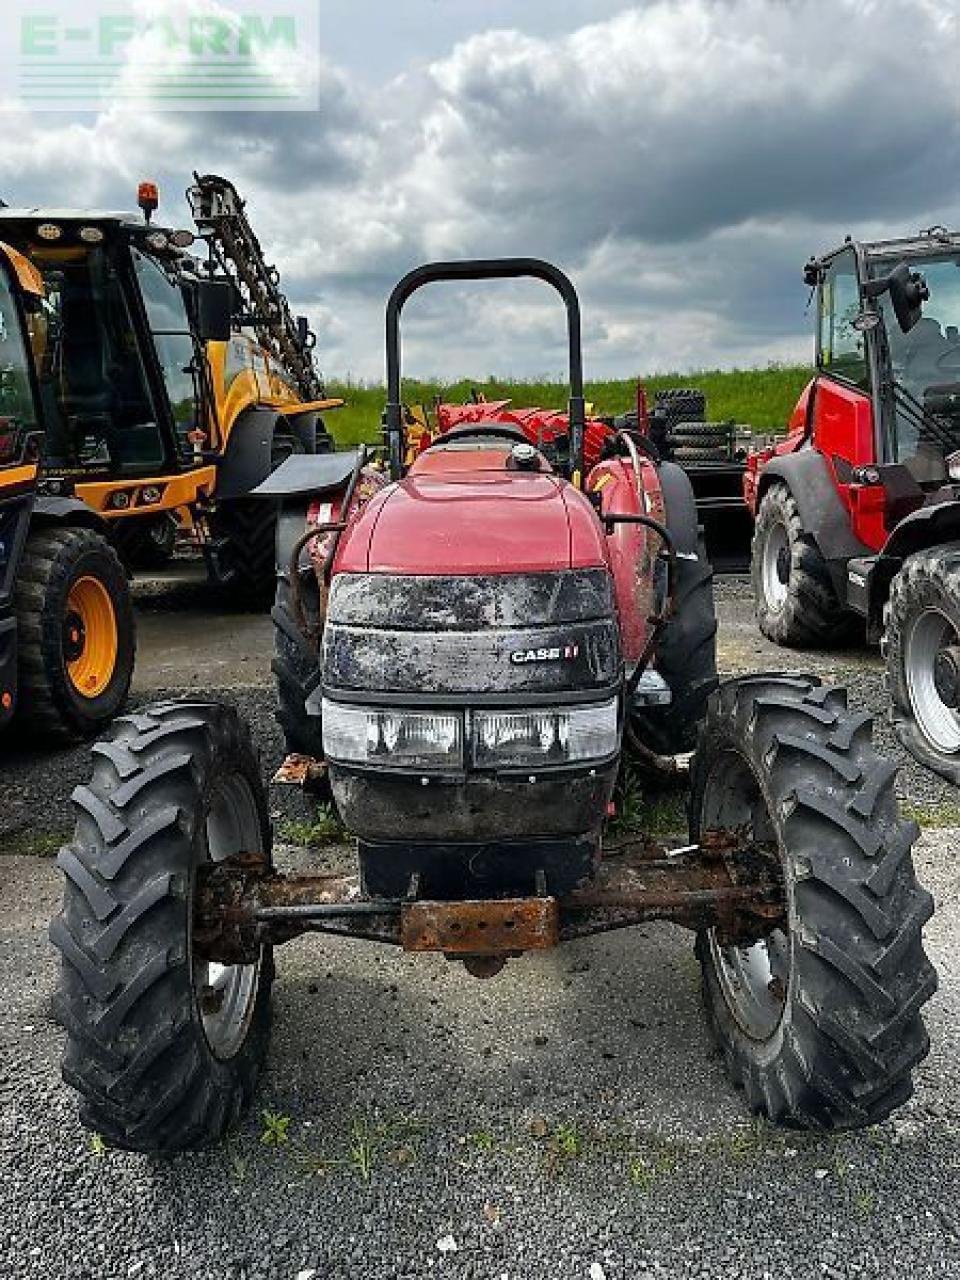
{"type": "Point", "coordinates": [482, 635]}
{"type": "Point", "coordinates": [67, 635]}
{"type": "Point", "coordinates": [858, 509]}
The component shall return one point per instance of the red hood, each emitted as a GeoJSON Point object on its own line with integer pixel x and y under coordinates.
{"type": "Point", "coordinates": [474, 522]}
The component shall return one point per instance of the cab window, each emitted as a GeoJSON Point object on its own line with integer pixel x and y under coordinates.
{"type": "Point", "coordinates": [842, 346]}
{"type": "Point", "coordinates": [170, 328]}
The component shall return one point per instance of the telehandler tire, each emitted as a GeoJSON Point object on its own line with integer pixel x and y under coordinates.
{"type": "Point", "coordinates": [246, 528]}
{"type": "Point", "coordinates": [819, 1021]}
{"type": "Point", "coordinates": [76, 634]}
{"type": "Point", "coordinates": [686, 655]}
{"type": "Point", "coordinates": [163, 1047]}
{"type": "Point", "coordinates": [921, 644]}
{"type": "Point", "coordinates": [795, 600]}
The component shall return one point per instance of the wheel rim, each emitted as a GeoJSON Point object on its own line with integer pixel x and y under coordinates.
{"type": "Point", "coordinates": [775, 566]}
{"type": "Point", "coordinates": [226, 994]}
{"type": "Point", "coordinates": [754, 980]}
{"type": "Point", "coordinates": [931, 634]}
{"type": "Point", "coordinates": [90, 637]}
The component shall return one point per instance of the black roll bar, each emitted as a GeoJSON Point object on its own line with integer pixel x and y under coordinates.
{"type": "Point", "coordinates": [483, 269]}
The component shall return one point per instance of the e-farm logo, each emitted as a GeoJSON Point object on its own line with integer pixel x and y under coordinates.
{"type": "Point", "coordinates": [175, 55]}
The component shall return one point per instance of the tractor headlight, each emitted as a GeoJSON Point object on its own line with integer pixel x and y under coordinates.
{"type": "Point", "coordinates": [544, 736]}
{"type": "Point", "coordinates": [395, 738]}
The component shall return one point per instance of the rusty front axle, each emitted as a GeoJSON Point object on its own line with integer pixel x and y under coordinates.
{"type": "Point", "coordinates": [724, 883]}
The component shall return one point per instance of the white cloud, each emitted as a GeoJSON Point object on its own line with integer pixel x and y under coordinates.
{"type": "Point", "coordinates": [681, 160]}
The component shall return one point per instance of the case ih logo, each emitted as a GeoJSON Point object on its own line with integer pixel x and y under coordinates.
{"type": "Point", "coordinates": [560, 653]}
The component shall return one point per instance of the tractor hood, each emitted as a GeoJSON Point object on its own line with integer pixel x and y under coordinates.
{"type": "Point", "coordinates": [478, 522]}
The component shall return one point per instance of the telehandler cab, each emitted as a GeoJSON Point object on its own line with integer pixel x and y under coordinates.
{"type": "Point", "coordinates": [858, 509]}
{"type": "Point", "coordinates": [479, 637]}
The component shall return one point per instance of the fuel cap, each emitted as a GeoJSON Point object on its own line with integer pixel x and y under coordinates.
{"type": "Point", "coordinates": [524, 457]}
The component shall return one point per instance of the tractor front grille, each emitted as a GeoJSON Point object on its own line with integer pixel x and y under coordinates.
{"type": "Point", "coordinates": [458, 637]}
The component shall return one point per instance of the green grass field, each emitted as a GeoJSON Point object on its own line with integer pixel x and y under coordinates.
{"type": "Point", "coordinates": [762, 398]}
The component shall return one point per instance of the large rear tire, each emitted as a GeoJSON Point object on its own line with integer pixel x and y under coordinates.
{"type": "Point", "coordinates": [686, 656]}
{"type": "Point", "coordinates": [922, 647]}
{"type": "Point", "coordinates": [76, 634]}
{"type": "Point", "coordinates": [163, 1047]}
{"type": "Point", "coordinates": [820, 1020]}
{"type": "Point", "coordinates": [796, 603]}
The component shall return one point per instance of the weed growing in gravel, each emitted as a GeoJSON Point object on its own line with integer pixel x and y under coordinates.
{"type": "Point", "coordinates": [325, 829]}
{"type": "Point", "coordinates": [97, 1145]}
{"type": "Point", "coordinates": [368, 1143]}
{"type": "Point", "coordinates": [482, 1140]}
{"type": "Point", "coordinates": [864, 1202]}
{"type": "Point", "coordinates": [748, 1142]}
{"type": "Point", "coordinates": [932, 816]}
{"type": "Point", "coordinates": [34, 844]}
{"type": "Point", "coordinates": [275, 1129]}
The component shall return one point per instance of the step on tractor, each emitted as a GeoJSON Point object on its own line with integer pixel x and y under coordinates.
{"type": "Point", "coordinates": [858, 508]}
{"type": "Point", "coordinates": [483, 634]}
{"type": "Point", "coordinates": [172, 382]}
{"type": "Point", "coordinates": [67, 636]}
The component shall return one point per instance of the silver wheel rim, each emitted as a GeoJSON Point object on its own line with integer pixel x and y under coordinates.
{"type": "Point", "coordinates": [754, 980]}
{"type": "Point", "coordinates": [776, 555]}
{"type": "Point", "coordinates": [226, 994]}
{"type": "Point", "coordinates": [939, 724]}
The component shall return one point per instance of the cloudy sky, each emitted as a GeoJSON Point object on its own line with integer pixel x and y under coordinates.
{"type": "Point", "coordinates": [679, 158]}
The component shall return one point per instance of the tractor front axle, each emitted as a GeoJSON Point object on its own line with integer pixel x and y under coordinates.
{"type": "Point", "coordinates": [725, 883]}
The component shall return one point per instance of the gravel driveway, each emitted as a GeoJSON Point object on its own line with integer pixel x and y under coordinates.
{"type": "Point", "coordinates": [568, 1119]}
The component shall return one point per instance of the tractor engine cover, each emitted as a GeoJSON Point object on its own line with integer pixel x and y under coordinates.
{"type": "Point", "coordinates": [472, 682]}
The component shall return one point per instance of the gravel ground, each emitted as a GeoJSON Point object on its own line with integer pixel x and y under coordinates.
{"type": "Point", "coordinates": [569, 1119]}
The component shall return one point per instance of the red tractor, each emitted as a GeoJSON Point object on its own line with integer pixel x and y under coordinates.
{"type": "Point", "coordinates": [469, 646]}
{"type": "Point", "coordinates": [858, 509]}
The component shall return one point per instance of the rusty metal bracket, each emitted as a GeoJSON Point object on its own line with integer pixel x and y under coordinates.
{"type": "Point", "coordinates": [480, 928]}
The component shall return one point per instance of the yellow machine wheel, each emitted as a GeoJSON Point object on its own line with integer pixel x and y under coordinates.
{"type": "Point", "coordinates": [90, 637]}
{"type": "Point", "coordinates": [75, 633]}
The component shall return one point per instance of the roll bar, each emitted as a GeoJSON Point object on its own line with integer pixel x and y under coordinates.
{"type": "Point", "coordinates": [483, 269]}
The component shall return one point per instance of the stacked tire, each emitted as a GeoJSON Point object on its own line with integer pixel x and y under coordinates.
{"type": "Point", "coordinates": [702, 441]}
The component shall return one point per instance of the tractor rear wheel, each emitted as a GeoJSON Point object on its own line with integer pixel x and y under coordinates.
{"type": "Point", "coordinates": [796, 603]}
{"type": "Point", "coordinates": [922, 647]}
{"type": "Point", "coordinates": [819, 1020]}
{"type": "Point", "coordinates": [163, 1045]}
{"type": "Point", "coordinates": [76, 633]}
{"type": "Point", "coordinates": [686, 656]}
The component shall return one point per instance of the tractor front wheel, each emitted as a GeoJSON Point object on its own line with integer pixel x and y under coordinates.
{"type": "Point", "coordinates": [819, 1020]}
{"type": "Point", "coordinates": [796, 603]}
{"type": "Point", "coordinates": [922, 646]}
{"type": "Point", "coordinates": [76, 633]}
{"type": "Point", "coordinates": [163, 1044]}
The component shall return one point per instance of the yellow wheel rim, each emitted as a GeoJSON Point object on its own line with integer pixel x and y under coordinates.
{"type": "Point", "coordinates": [90, 637]}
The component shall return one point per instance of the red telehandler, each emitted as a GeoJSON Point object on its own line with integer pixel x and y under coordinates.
{"type": "Point", "coordinates": [858, 509]}
{"type": "Point", "coordinates": [479, 637]}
